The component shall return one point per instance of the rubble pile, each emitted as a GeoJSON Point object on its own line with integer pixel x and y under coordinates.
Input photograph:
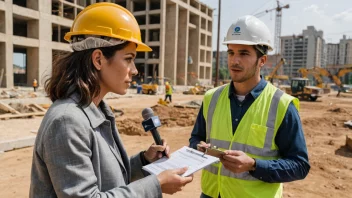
{"type": "Point", "coordinates": [22, 108]}
{"type": "Point", "coordinates": [130, 126]}
{"type": "Point", "coordinates": [169, 117]}
{"type": "Point", "coordinates": [176, 116]}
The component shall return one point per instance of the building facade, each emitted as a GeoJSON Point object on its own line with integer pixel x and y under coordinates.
{"type": "Point", "coordinates": [332, 54]}
{"type": "Point", "coordinates": [345, 51]}
{"type": "Point", "coordinates": [178, 31]}
{"type": "Point", "coordinates": [305, 50]}
{"type": "Point", "coordinates": [340, 56]}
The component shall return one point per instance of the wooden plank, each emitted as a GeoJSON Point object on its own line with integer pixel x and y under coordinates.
{"type": "Point", "coordinates": [38, 107]}
{"type": "Point", "coordinates": [23, 115]}
{"type": "Point", "coordinates": [7, 108]}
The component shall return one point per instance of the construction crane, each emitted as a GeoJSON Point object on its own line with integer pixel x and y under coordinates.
{"type": "Point", "coordinates": [277, 35]}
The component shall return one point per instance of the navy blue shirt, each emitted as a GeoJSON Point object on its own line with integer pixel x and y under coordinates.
{"type": "Point", "coordinates": [293, 163]}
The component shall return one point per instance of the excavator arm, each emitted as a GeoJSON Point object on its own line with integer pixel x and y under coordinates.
{"type": "Point", "coordinates": [273, 74]}
{"type": "Point", "coordinates": [316, 72]}
{"type": "Point", "coordinates": [304, 72]}
{"type": "Point", "coordinates": [343, 72]}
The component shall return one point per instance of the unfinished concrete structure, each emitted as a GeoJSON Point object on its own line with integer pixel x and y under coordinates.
{"type": "Point", "coordinates": [178, 31]}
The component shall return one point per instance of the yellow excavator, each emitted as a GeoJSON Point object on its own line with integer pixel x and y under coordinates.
{"type": "Point", "coordinates": [337, 81]}
{"type": "Point", "coordinates": [302, 89]}
{"type": "Point", "coordinates": [273, 75]}
{"type": "Point", "coordinates": [317, 72]}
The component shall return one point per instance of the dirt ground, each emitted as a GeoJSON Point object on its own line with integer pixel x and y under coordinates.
{"type": "Point", "coordinates": [331, 163]}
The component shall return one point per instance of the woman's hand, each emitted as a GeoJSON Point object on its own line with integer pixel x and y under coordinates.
{"type": "Point", "coordinates": [154, 151]}
{"type": "Point", "coordinates": [171, 181]}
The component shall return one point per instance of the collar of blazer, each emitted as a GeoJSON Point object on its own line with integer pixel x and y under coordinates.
{"type": "Point", "coordinates": [93, 112]}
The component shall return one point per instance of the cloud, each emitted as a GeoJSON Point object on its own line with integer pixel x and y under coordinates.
{"type": "Point", "coordinates": [344, 16]}
{"type": "Point", "coordinates": [315, 9]}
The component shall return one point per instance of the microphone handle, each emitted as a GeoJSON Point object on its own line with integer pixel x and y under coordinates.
{"type": "Point", "coordinates": [157, 138]}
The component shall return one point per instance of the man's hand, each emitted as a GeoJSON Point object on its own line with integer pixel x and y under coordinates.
{"type": "Point", "coordinates": [154, 152]}
{"type": "Point", "coordinates": [237, 161]}
{"type": "Point", "coordinates": [202, 146]}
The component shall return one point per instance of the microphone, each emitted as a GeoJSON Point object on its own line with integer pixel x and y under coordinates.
{"type": "Point", "coordinates": [151, 123]}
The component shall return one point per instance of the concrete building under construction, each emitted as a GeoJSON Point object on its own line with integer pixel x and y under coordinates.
{"type": "Point", "coordinates": [178, 31]}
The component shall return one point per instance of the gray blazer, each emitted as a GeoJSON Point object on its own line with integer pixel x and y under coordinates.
{"type": "Point", "coordinates": [78, 153]}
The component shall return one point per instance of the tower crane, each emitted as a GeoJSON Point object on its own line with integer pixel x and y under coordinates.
{"type": "Point", "coordinates": [277, 36]}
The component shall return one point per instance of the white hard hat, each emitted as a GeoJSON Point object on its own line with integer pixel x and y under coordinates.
{"type": "Point", "coordinates": [249, 30]}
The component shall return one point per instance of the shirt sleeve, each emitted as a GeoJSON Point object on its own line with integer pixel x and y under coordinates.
{"type": "Point", "coordinates": [293, 164]}
{"type": "Point", "coordinates": [198, 132]}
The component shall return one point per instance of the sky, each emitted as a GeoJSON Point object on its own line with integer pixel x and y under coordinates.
{"type": "Point", "coordinates": [19, 59]}
{"type": "Point", "coordinates": [333, 17]}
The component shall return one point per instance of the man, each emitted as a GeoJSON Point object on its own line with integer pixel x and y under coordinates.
{"type": "Point", "coordinates": [168, 91]}
{"type": "Point", "coordinates": [35, 85]}
{"type": "Point", "coordinates": [256, 124]}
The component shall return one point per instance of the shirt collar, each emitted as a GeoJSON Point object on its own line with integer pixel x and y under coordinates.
{"type": "Point", "coordinates": [93, 112]}
{"type": "Point", "coordinates": [256, 91]}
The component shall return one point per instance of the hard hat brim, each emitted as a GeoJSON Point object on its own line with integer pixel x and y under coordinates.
{"type": "Point", "coordinates": [241, 42]}
{"type": "Point", "coordinates": [141, 47]}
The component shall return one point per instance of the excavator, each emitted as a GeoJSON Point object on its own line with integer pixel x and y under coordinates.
{"type": "Point", "coordinates": [300, 87]}
{"type": "Point", "coordinates": [337, 81]}
{"type": "Point", "coordinates": [317, 72]}
{"type": "Point", "coordinates": [273, 75]}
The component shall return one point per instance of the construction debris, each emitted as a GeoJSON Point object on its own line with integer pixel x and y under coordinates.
{"type": "Point", "coordinates": [348, 124]}
{"type": "Point", "coordinates": [173, 116]}
{"type": "Point", "coordinates": [162, 102]}
{"type": "Point", "coordinates": [19, 110]}
{"type": "Point", "coordinates": [5, 108]}
{"type": "Point", "coordinates": [194, 103]}
{"type": "Point", "coordinates": [22, 115]}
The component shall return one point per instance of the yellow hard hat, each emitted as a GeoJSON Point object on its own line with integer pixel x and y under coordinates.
{"type": "Point", "coordinates": [107, 19]}
{"type": "Point", "coordinates": [166, 83]}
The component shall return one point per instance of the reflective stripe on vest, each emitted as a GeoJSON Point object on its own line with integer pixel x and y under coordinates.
{"type": "Point", "coordinates": [270, 124]}
{"type": "Point", "coordinates": [266, 151]}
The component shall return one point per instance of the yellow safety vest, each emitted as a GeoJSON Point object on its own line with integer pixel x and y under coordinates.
{"type": "Point", "coordinates": [255, 135]}
{"type": "Point", "coordinates": [168, 89]}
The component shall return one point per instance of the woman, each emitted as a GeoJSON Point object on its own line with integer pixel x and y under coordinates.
{"type": "Point", "coordinates": [78, 151]}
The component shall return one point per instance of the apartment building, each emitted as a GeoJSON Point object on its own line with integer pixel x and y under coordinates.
{"type": "Point", "coordinates": [339, 55]}
{"type": "Point", "coordinates": [332, 54]}
{"type": "Point", "coordinates": [305, 50]}
{"type": "Point", "coordinates": [345, 51]}
{"type": "Point", "coordinates": [178, 31]}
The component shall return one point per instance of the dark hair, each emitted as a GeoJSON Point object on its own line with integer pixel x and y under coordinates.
{"type": "Point", "coordinates": [75, 73]}
{"type": "Point", "coordinates": [260, 50]}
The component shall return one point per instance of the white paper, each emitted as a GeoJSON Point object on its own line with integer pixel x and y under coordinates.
{"type": "Point", "coordinates": [184, 157]}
